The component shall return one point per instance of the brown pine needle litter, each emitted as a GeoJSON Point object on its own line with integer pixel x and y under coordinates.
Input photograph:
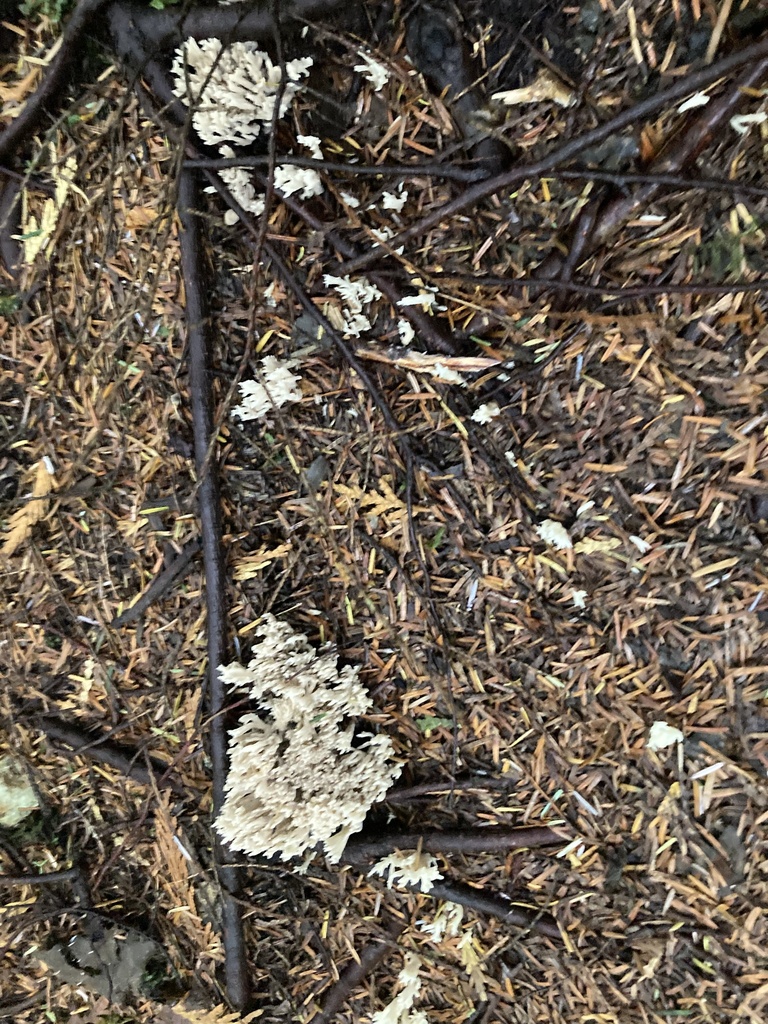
{"type": "Point", "coordinates": [558, 609]}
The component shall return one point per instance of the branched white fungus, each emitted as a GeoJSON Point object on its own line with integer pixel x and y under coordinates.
{"type": "Point", "coordinates": [356, 295]}
{"type": "Point", "coordinates": [290, 179]}
{"type": "Point", "coordinates": [486, 412]}
{"type": "Point", "coordinates": [412, 868]}
{"type": "Point", "coordinates": [390, 201]}
{"type": "Point", "coordinates": [295, 777]}
{"type": "Point", "coordinates": [406, 332]}
{"type": "Point", "coordinates": [312, 143]}
{"type": "Point", "coordinates": [400, 1011]}
{"type": "Point", "coordinates": [238, 181]}
{"type": "Point", "coordinates": [374, 72]}
{"type": "Point", "coordinates": [234, 89]}
{"type": "Point", "coordinates": [279, 387]}
{"type": "Point", "coordinates": [554, 534]}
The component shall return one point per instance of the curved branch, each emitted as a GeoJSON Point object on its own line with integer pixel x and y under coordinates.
{"type": "Point", "coordinates": [233, 23]}
{"type": "Point", "coordinates": [105, 751]}
{"type": "Point", "coordinates": [562, 154]}
{"type": "Point", "coordinates": [49, 91]}
{"type": "Point", "coordinates": [497, 906]}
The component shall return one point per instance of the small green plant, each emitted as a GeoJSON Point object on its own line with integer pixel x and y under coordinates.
{"type": "Point", "coordinates": [53, 10]}
{"type": "Point", "coordinates": [8, 304]}
{"type": "Point", "coordinates": [431, 722]}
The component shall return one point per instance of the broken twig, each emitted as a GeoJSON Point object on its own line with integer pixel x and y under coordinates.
{"type": "Point", "coordinates": [355, 973]}
{"type": "Point", "coordinates": [562, 154]}
{"type": "Point", "coordinates": [479, 840]}
{"type": "Point", "coordinates": [201, 398]}
{"type": "Point", "coordinates": [176, 571]}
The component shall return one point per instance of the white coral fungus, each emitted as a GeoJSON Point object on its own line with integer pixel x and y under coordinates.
{"type": "Point", "coordinates": [662, 735]}
{"type": "Point", "coordinates": [233, 89]}
{"type": "Point", "coordinates": [312, 143]}
{"type": "Point", "coordinates": [446, 922]}
{"type": "Point", "coordinates": [295, 778]}
{"type": "Point", "coordinates": [389, 201]}
{"type": "Point", "coordinates": [554, 534]}
{"type": "Point", "coordinates": [414, 868]}
{"type": "Point", "coordinates": [399, 1011]}
{"type": "Point", "coordinates": [374, 72]}
{"type": "Point", "coordinates": [279, 387]}
{"type": "Point", "coordinates": [290, 179]}
{"type": "Point", "coordinates": [406, 332]}
{"type": "Point", "coordinates": [487, 412]}
{"type": "Point", "coordinates": [356, 295]}
{"type": "Point", "coordinates": [443, 372]}
{"type": "Point", "coordinates": [238, 181]}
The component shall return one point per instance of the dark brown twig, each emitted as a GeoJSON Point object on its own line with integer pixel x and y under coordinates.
{"type": "Point", "coordinates": [50, 89]}
{"type": "Point", "coordinates": [405, 794]}
{"type": "Point", "coordinates": [50, 878]}
{"type": "Point", "coordinates": [619, 292]}
{"type": "Point", "coordinates": [414, 170]}
{"type": "Point", "coordinates": [600, 219]}
{"type": "Point", "coordinates": [232, 23]}
{"type": "Point", "coordinates": [163, 582]}
{"type": "Point", "coordinates": [10, 226]}
{"type": "Point", "coordinates": [17, 1008]}
{"type": "Point", "coordinates": [106, 752]}
{"type": "Point", "coordinates": [496, 906]}
{"type": "Point", "coordinates": [468, 841]}
{"type": "Point", "coordinates": [355, 973]}
{"type": "Point", "coordinates": [568, 151]}
{"type": "Point", "coordinates": [622, 179]}
{"type": "Point", "coordinates": [201, 397]}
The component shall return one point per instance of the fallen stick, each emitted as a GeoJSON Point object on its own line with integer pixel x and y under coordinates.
{"type": "Point", "coordinates": [496, 906]}
{"type": "Point", "coordinates": [354, 170]}
{"type": "Point", "coordinates": [236, 22]}
{"type": "Point", "coordinates": [619, 292]}
{"type": "Point", "coordinates": [105, 751]}
{"type": "Point", "coordinates": [48, 878]}
{"type": "Point", "coordinates": [25, 124]}
{"type": "Point", "coordinates": [600, 219]}
{"type": "Point", "coordinates": [201, 399]}
{"type": "Point", "coordinates": [566, 152]}
{"type": "Point", "coordinates": [355, 973]}
{"type": "Point", "coordinates": [480, 840]}
{"type": "Point", "coordinates": [621, 179]}
{"type": "Point", "coordinates": [176, 571]}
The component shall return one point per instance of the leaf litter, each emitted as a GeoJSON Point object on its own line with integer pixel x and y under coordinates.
{"type": "Point", "coordinates": [548, 666]}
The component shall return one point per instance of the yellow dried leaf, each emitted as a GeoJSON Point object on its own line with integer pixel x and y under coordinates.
{"type": "Point", "coordinates": [179, 1014]}
{"type": "Point", "coordinates": [139, 217]}
{"type": "Point", "coordinates": [37, 237]}
{"type": "Point", "coordinates": [31, 512]}
{"type": "Point", "coordinates": [19, 91]}
{"type": "Point", "coordinates": [250, 565]}
{"type": "Point", "coordinates": [588, 546]}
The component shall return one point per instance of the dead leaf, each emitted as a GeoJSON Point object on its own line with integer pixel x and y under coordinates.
{"type": "Point", "coordinates": [139, 217]}
{"type": "Point", "coordinates": [590, 546]}
{"type": "Point", "coordinates": [180, 1014]}
{"type": "Point", "coordinates": [544, 87]}
{"type": "Point", "coordinates": [112, 963]}
{"type": "Point", "coordinates": [251, 564]}
{"type": "Point", "coordinates": [30, 513]}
